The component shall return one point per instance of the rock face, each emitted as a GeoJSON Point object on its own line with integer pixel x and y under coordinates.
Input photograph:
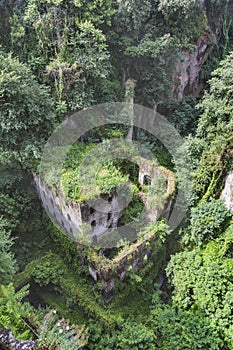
{"type": "Point", "coordinates": [227, 193]}
{"type": "Point", "coordinates": [8, 341]}
{"type": "Point", "coordinates": [186, 79]}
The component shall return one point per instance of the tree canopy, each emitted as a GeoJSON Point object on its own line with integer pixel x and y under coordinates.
{"type": "Point", "coordinates": [58, 57]}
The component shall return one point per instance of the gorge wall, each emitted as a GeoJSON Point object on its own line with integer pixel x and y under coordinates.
{"type": "Point", "coordinates": [187, 72]}
{"type": "Point", "coordinates": [227, 193]}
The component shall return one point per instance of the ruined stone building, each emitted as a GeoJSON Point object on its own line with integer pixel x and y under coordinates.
{"type": "Point", "coordinates": [73, 218]}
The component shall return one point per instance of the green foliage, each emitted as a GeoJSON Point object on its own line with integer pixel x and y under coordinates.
{"type": "Point", "coordinates": [184, 115]}
{"type": "Point", "coordinates": [213, 166]}
{"type": "Point", "coordinates": [164, 327]}
{"type": "Point", "coordinates": [182, 330]}
{"type": "Point", "coordinates": [26, 110]}
{"type": "Point", "coordinates": [217, 104]}
{"type": "Point", "coordinates": [156, 192]}
{"type": "Point", "coordinates": [58, 333]}
{"type": "Point", "coordinates": [13, 311]}
{"type": "Point", "coordinates": [218, 13]}
{"type": "Point", "coordinates": [7, 261]}
{"type": "Point", "coordinates": [149, 56]}
{"type": "Point", "coordinates": [133, 210]}
{"type": "Point", "coordinates": [192, 17]}
{"type": "Point", "coordinates": [23, 213]}
{"type": "Point", "coordinates": [63, 245]}
{"type": "Point", "coordinates": [11, 171]}
{"type": "Point", "coordinates": [157, 148]}
{"type": "Point", "coordinates": [203, 281]}
{"type": "Point", "coordinates": [48, 270]}
{"type": "Point", "coordinates": [13, 206]}
{"type": "Point", "coordinates": [215, 132]}
{"type": "Point", "coordinates": [169, 7]}
{"type": "Point", "coordinates": [147, 39]}
{"type": "Point", "coordinates": [70, 46]}
{"type": "Point", "coordinates": [135, 336]}
{"type": "Point", "coordinates": [208, 221]}
{"type": "Point", "coordinates": [63, 43]}
{"type": "Point", "coordinates": [88, 173]}
{"type": "Point", "coordinates": [129, 335]}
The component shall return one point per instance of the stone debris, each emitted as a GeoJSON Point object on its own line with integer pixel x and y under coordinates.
{"type": "Point", "coordinates": [8, 342]}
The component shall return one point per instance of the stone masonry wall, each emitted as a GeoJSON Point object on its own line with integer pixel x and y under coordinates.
{"type": "Point", "coordinates": [71, 216]}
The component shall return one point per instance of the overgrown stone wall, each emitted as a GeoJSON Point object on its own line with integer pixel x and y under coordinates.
{"type": "Point", "coordinates": [132, 258]}
{"type": "Point", "coordinates": [72, 216]}
{"type": "Point", "coordinates": [148, 170]}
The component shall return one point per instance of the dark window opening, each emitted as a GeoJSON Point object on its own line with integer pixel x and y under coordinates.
{"type": "Point", "coordinates": [62, 222]}
{"type": "Point", "coordinates": [92, 210]}
{"type": "Point", "coordinates": [146, 180]}
{"type": "Point", "coordinates": [93, 223]}
{"type": "Point", "coordinates": [68, 217]}
{"type": "Point", "coordinates": [109, 199]}
{"type": "Point", "coordinates": [109, 216]}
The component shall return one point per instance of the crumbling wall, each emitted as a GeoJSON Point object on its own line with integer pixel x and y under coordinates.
{"type": "Point", "coordinates": [133, 257]}
{"type": "Point", "coordinates": [67, 215]}
{"type": "Point", "coordinates": [72, 216]}
{"type": "Point", "coordinates": [148, 170]}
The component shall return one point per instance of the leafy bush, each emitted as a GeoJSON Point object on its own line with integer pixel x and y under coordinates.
{"type": "Point", "coordinates": [184, 115]}
{"type": "Point", "coordinates": [202, 281]}
{"type": "Point", "coordinates": [133, 211]}
{"type": "Point", "coordinates": [48, 270]}
{"type": "Point", "coordinates": [12, 310]}
{"type": "Point", "coordinates": [208, 221]}
{"type": "Point", "coordinates": [26, 110]}
{"type": "Point", "coordinates": [7, 262]}
{"type": "Point", "coordinates": [129, 336]}
{"type": "Point", "coordinates": [88, 173]}
{"type": "Point", "coordinates": [169, 7]}
{"type": "Point", "coordinates": [181, 330]}
{"type": "Point", "coordinates": [55, 333]}
{"type": "Point", "coordinates": [217, 104]}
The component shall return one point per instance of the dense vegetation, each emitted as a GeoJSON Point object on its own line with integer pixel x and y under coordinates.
{"type": "Point", "coordinates": [60, 56]}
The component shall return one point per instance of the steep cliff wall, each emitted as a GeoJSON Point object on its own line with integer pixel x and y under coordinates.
{"type": "Point", "coordinates": [227, 193]}
{"type": "Point", "coordinates": [187, 72]}
{"type": "Point", "coordinates": [187, 77]}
